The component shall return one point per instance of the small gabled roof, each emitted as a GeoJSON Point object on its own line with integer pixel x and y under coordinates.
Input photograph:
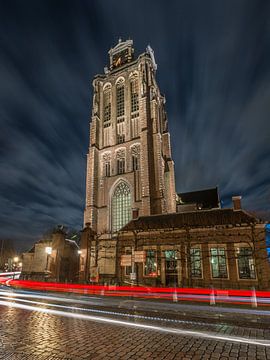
{"type": "Point", "coordinates": [193, 219]}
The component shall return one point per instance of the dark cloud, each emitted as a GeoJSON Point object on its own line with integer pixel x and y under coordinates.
{"type": "Point", "coordinates": [213, 65]}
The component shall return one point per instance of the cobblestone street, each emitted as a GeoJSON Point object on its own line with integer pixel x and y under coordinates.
{"type": "Point", "coordinates": [35, 335]}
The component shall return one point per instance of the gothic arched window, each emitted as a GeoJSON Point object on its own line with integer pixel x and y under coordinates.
{"type": "Point", "coordinates": [135, 155]}
{"type": "Point", "coordinates": [134, 94]}
{"type": "Point", "coordinates": [107, 105]}
{"type": "Point", "coordinates": [134, 105]}
{"type": "Point", "coordinates": [120, 99]}
{"type": "Point", "coordinates": [121, 206]}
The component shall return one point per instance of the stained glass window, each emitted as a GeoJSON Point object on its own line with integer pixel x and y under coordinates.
{"type": "Point", "coordinates": [121, 206]}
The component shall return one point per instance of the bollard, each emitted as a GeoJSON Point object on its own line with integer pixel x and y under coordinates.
{"type": "Point", "coordinates": [212, 297]}
{"type": "Point", "coordinates": [254, 298]}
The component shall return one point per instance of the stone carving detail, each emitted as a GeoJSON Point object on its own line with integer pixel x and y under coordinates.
{"type": "Point", "coordinates": [135, 150]}
{"type": "Point", "coordinates": [107, 156]}
{"type": "Point", "coordinates": [120, 154]}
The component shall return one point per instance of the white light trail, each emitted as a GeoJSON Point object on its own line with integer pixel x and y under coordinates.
{"type": "Point", "coordinates": [105, 312]}
{"type": "Point", "coordinates": [175, 331]}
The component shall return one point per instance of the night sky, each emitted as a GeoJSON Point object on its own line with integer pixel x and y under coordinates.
{"type": "Point", "coordinates": [213, 66]}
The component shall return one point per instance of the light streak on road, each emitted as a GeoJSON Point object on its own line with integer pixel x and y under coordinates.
{"type": "Point", "coordinates": [212, 296]}
{"type": "Point", "coordinates": [104, 312]}
{"type": "Point", "coordinates": [176, 331]}
{"type": "Point", "coordinates": [101, 301]}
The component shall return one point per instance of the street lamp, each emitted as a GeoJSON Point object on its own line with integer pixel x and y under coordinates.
{"type": "Point", "coordinates": [16, 259]}
{"type": "Point", "coordinates": [79, 252]}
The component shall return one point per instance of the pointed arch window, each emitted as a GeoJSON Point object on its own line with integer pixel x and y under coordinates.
{"type": "Point", "coordinates": [134, 94]}
{"type": "Point", "coordinates": [135, 155]}
{"type": "Point", "coordinates": [107, 106]}
{"type": "Point", "coordinates": [120, 99]}
{"type": "Point", "coordinates": [121, 206]}
{"type": "Point", "coordinates": [134, 106]}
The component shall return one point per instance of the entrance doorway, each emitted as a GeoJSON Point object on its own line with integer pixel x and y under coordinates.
{"type": "Point", "coordinates": [171, 276]}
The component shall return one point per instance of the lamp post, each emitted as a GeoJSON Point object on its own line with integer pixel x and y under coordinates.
{"type": "Point", "coordinates": [14, 267]}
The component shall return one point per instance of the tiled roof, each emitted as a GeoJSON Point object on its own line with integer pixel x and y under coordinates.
{"type": "Point", "coordinates": [201, 218]}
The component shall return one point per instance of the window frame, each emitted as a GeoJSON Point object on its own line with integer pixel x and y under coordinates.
{"type": "Point", "coordinates": [244, 246]}
{"type": "Point", "coordinates": [117, 222]}
{"type": "Point", "coordinates": [155, 274]}
{"type": "Point", "coordinates": [219, 246]}
{"type": "Point", "coordinates": [195, 246]}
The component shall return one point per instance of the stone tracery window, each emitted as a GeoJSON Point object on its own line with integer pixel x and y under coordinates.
{"type": "Point", "coordinates": [121, 206]}
{"type": "Point", "coordinates": [120, 98]}
{"type": "Point", "coordinates": [107, 105]}
{"type": "Point", "coordinates": [121, 163]}
{"type": "Point", "coordinates": [134, 105]}
{"type": "Point", "coordinates": [134, 93]}
{"type": "Point", "coordinates": [107, 164]}
{"type": "Point", "coordinates": [135, 155]}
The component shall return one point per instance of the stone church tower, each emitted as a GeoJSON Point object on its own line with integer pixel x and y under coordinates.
{"type": "Point", "coordinates": [130, 171]}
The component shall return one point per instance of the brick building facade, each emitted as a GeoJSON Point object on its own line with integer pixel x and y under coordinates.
{"type": "Point", "coordinates": [52, 259]}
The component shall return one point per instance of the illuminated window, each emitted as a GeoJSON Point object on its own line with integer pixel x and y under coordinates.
{"type": "Point", "coordinates": [107, 106]}
{"type": "Point", "coordinates": [196, 262]}
{"type": "Point", "coordinates": [121, 206]}
{"type": "Point", "coordinates": [218, 262]}
{"type": "Point", "coordinates": [134, 95]}
{"type": "Point", "coordinates": [245, 261]}
{"type": "Point", "coordinates": [150, 266]}
{"type": "Point", "coordinates": [134, 105]}
{"type": "Point", "coordinates": [120, 166]}
{"type": "Point", "coordinates": [120, 100]}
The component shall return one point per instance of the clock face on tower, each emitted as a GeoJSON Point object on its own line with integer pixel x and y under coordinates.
{"type": "Point", "coordinates": [120, 58]}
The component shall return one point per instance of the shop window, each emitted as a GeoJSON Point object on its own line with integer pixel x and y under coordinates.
{"type": "Point", "coordinates": [196, 262]}
{"type": "Point", "coordinates": [150, 266]}
{"type": "Point", "coordinates": [245, 261]}
{"type": "Point", "coordinates": [218, 262]}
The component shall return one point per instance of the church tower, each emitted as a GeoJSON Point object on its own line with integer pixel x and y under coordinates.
{"type": "Point", "coordinates": [130, 171]}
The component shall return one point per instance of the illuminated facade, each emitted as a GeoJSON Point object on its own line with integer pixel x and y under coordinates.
{"type": "Point", "coordinates": [130, 171]}
{"type": "Point", "coordinates": [132, 231]}
{"type": "Point", "coordinates": [129, 162]}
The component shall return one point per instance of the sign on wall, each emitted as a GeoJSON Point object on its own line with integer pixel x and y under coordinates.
{"type": "Point", "coordinates": [126, 260]}
{"type": "Point", "coordinates": [139, 256]}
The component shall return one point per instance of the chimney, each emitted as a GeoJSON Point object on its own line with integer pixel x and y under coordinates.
{"type": "Point", "coordinates": [237, 202]}
{"type": "Point", "coordinates": [135, 213]}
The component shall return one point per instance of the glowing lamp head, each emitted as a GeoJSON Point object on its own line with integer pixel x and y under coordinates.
{"type": "Point", "coordinates": [16, 259]}
{"type": "Point", "coordinates": [48, 250]}
{"type": "Point", "coordinates": [79, 252]}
